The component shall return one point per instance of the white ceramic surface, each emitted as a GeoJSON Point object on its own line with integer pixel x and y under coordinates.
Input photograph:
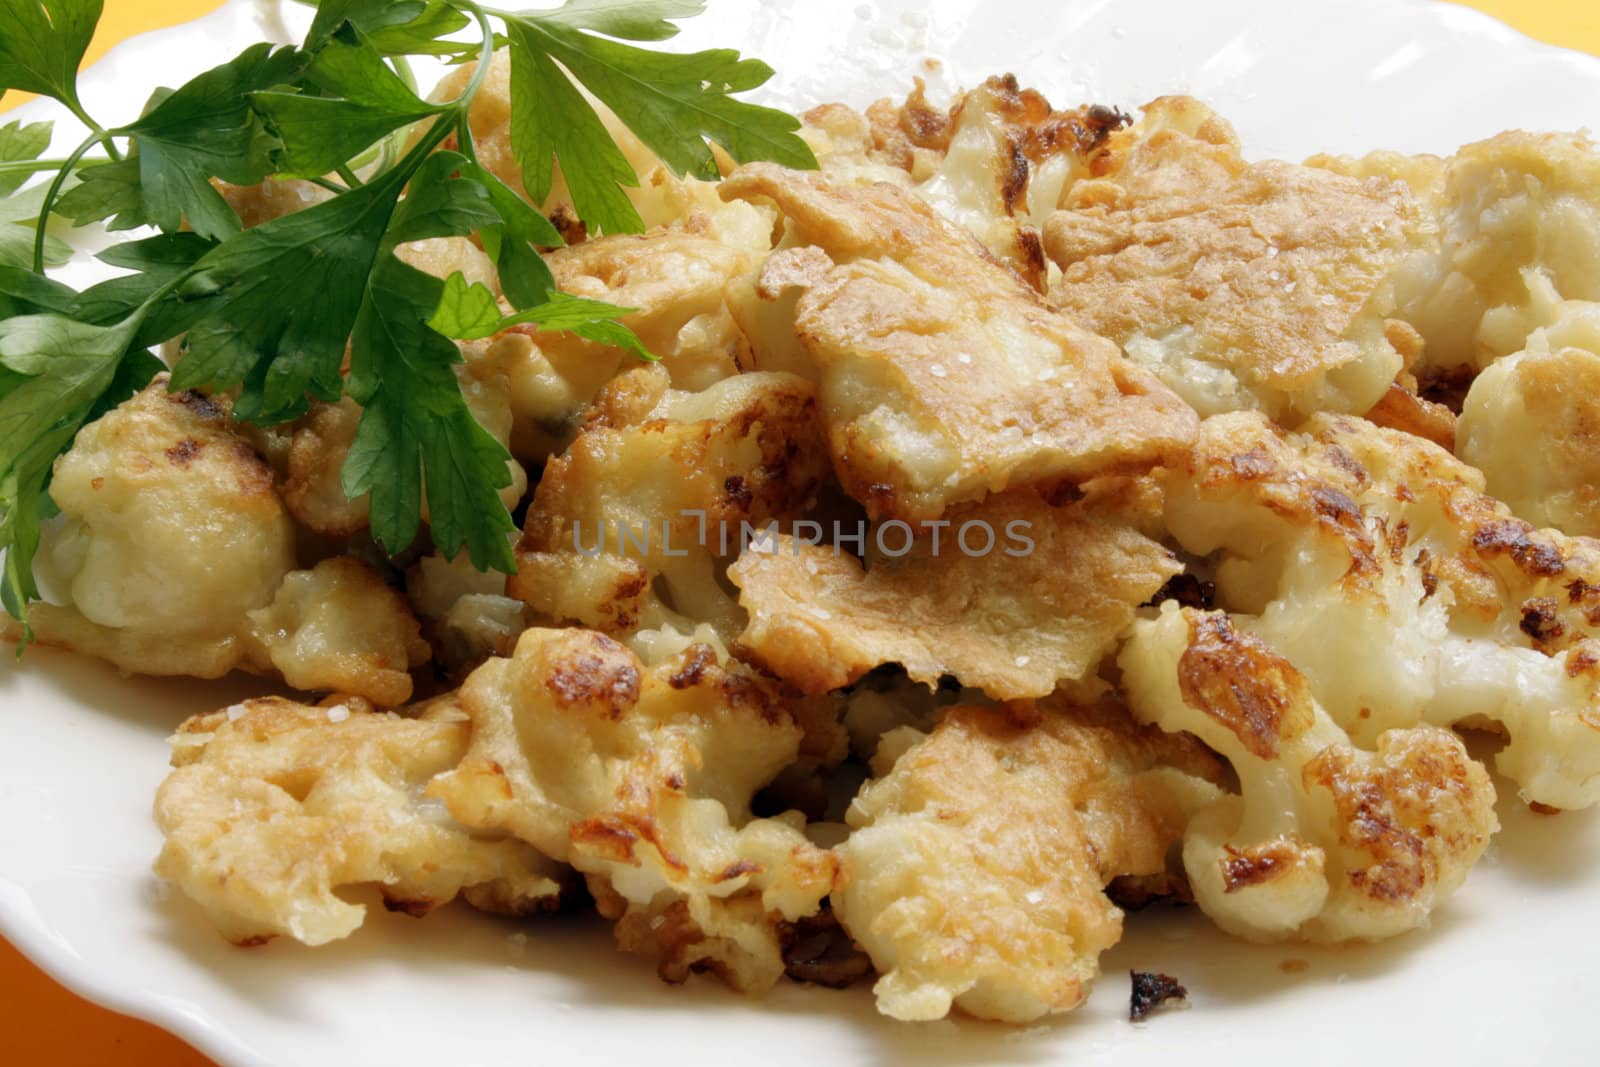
{"type": "Point", "coordinates": [1502, 975]}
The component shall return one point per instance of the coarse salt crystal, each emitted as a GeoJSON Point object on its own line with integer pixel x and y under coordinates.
{"type": "Point", "coordinates": [1022, 661]}
{"type": "Point", "coordinates": [964, 358]}
{"type": "Point", "coordinates": [937, 370]}
{"type": "Point", "coordinates": [236, 712]}
{"type": "Point", "coordinates": [1034, 896]}
{"type": "Point", "coordinates": [339, 713]}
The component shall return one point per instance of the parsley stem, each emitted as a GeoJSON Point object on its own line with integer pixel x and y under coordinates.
{"type": "Point", "coordinates": [53, 193]}
{"type": "Point", "coordinates": [347, 175]}
{"type": "Point", "coordinates": [101, 134]}
{"type": "Point", "coordinates": [485, 53]}
{"type": "Point", "coordinates": [34, 166]}
{"type": "Point", "coordinates": [332, 187]}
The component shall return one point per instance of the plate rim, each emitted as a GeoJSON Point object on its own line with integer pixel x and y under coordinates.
{"type": "Point", "coordinates": [50, 949]}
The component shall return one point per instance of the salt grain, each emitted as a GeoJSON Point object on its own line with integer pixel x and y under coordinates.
{"type": "Point", "coordinates": [236, 712]}
{"type": "Point", "coordinates": [937, 370]}
{"type": "Point", "coordinates": [1022, 661]}
{"type": "Point", "coordinates": [339, 713]}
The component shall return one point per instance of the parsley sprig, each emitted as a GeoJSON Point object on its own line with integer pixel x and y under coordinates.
{"type": "Point", "coordinates": [317, 304]}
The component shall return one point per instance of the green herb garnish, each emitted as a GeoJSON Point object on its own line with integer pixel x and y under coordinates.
{"type": "Point", "coordinates": [271, 312]}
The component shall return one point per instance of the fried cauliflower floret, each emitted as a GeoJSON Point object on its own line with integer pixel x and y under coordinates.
{"type": "Point", "coordinates": [1519, 233]}
{"type": "Point", "coordinates": [1531, 424]}
{"type": "Point", "coordinates": [1240, 285]}
{"type": "Point", "coordinates": [270, 199]}
{"type": "Point", "coordinates": [641, 778]}
{"type": "Point", "coordinates": [444, 256]}
{"type": "Point", "coordinates": [311, 484]}
{"type": "Point", "coordinates": [1325, 841]}
{"type": "Point", "coordinates": [995, 162]}
{"type": "Point", "coordinates": [180, 526]}
{"type": "Point", "coordinates": [173, 533]}
{"type": "Point", "coordinates": [275, 806]}
{"type": "Point", "coordinates": [339, 628]}
{"type": "Point", "coordinates": [942, 378]}
{"type": "Point", "coordinates": [629, 526]}
{"type": "Point", "coordinates": [178, 554]}
{"type": "Point", "coordinates": [975, 870]}
{"type": "Point", "coordinates": [674, 280]}
{"type": "Point", "coordinates": [1376, 564]}
{"type": "Point", "coordinates": [1013, 597]}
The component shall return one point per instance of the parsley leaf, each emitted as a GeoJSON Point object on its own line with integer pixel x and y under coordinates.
{"type": "Point", "coordinates": [416, 428]}
{"type": "Point", "coordinates": [513, 243]}
{"type": "Point", "coordinates": [21, 144]}
{"type": "Point", "coordinates": [469, 312]}
{"type": "Point", "coordinates": [673, 102]}
{"type": "Point", "coordinates": [270, 309]}
{"type": "Point", "coordinates": [43, 44]}
{"type": "Point", "coordinates": [105, 191]}
{"type": "Point", "coordinates": [23, 292]}
{"type": "Point", "coordinates": [207, 129]}
{"type": "Point", "coordinates": [407, 27]}
{"type": "Point", "coordinates": [361, 99]}
{"type": "Point", "coordinates": [19, 212]}
{"type": "Point", "coordinates": [632, 20]}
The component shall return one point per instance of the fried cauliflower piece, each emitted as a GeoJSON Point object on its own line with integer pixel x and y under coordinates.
{"type": "Point", "coordinates": [628, 527]}
{"type": "Point", "coordinates": [275, 806]}
{"type": "Point", "coordinates": [173, 534]}
{"type": "Point", "coordinates": [995, 162]}
{"type": "Point", "coordinates": [1013, 598]}
{"type": "Point", "coordinates": [270, 199]}
{"type": "Point", "coordinates": [338, 628]}
{"type": "Point", "coordinates": [641, 778]}
{"type": "Point", "coordinates": [1376, 564]}
{"type": "Point", "coordinates": [177, 558]}
{"type": "Point", "coordinates": [975, 870]}
{"type": "Point", "coordinates": [1519, 226]}
{"type": "Point", "coordinates": [1531, 424]}
{"type": "Point", "coordinates": [1240, 285]}
{"type": "Point", "coordinates": [942, 378]}
{"type": "Point", "coordinates": [676, 283]}
{"type": "Point", "coordinates": [1325, 841]}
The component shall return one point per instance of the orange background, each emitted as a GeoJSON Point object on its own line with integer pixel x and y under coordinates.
{"type": "Point", "coordinates": [42, 1024]}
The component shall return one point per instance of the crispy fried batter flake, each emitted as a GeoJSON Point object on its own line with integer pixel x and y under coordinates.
{"type": "Point", "coordinates": [1013, 597]}
{"type": "Point", "coordinates": [1240, 285]}
{"type": "Point", "coordinates": [942, 378]}
{"type": "Point", "coordinates": [974, 873]}
{"type": "Point", "coordinates": [274, 806]}
{"type": "Point", "coordinates": [651, 496]}
{"type": "Point", "coordinates": [641, 778]}
{"type": "Point", "coordinates": [1325, 842]}
{"type": "Point", "coordinates": [994, 162]}
{"type": "Point", "coordinates": [1374, 561]}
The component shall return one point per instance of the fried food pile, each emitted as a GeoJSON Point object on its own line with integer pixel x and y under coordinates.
{"type": "Point", "coordinates": [1032, 514]}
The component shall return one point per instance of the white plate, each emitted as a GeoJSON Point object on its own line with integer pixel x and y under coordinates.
{"type": "Point", "coordinates": [1502, 975]}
